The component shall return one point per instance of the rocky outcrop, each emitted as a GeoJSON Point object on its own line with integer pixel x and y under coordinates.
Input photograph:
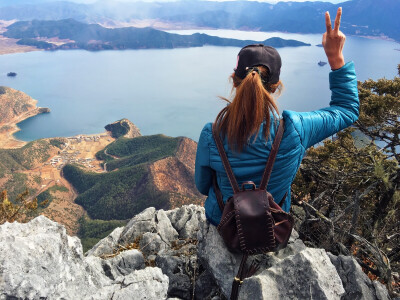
{"type": "Point", "coordinates": [356, 284]}
{"type": "Point", "coordinates": [38, 260]}
{"type": "Point", "coordinates": [124, 128]}
{"type": "Point", "coordinates": [185, 259]}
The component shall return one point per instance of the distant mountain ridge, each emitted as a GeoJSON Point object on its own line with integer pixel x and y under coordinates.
{"type": "Point", "coordinates": [360, 17]}
{"type": "Point", "coordinates": [96, 37]}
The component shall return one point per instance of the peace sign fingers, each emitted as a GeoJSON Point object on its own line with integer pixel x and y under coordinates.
{"type": "Point", "coordinates": [337, 19]}
{"type": "Point", "coordinates": [328, 22]}
{"type": "Point", "coordinates": [333, 41]}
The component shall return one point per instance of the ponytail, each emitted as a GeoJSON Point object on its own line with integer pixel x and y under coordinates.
{"type": "Point", "coordinates": [251, 105]}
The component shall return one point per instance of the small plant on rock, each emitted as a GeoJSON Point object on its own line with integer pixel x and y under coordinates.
{"type": "Point", "coordinates": [11, 211]}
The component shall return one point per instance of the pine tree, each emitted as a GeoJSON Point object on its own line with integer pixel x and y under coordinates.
{"type": "Point", "coordinates": [349, 187]}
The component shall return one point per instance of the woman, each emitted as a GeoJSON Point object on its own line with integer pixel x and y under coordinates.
{"type": "Point", "coordinates": [249, 122]}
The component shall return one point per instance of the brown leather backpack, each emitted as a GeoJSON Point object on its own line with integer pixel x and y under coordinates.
{"type": "Point", "coordinates": [251, 222]}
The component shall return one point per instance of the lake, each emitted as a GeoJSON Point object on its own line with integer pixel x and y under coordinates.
{"type": "Point", "coordinates": [170, 91]}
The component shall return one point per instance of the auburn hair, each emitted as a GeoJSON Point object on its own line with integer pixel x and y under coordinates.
{"type": "Point", "coordinates": [252, 104]}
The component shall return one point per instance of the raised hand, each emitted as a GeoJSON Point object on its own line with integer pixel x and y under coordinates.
{"type": "Point", "coordinates": [333, 41]}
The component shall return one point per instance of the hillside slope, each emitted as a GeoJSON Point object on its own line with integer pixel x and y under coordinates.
{"type": "Point", "coordinates": [144, 171]}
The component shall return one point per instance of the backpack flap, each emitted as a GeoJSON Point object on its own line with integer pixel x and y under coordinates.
{"type": "Point", "coordinates": [253, 221]}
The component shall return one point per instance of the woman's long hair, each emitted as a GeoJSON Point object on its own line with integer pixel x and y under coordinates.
{"type": "Point", "coordinates": [251, 105]}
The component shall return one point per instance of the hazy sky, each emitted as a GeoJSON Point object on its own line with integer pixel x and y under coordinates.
{"type": "Point", "coordinates": [268, 1]}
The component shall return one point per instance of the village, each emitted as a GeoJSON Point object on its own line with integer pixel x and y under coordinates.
{"type": "Point", "coordinates": [81, 150]}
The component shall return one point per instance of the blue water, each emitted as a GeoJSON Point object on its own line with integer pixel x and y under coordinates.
{"type": "Point", "coordinates": [174, 92]}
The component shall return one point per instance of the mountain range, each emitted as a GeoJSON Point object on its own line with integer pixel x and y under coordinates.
{"type": "Point", "coordinates": [360, 17]}
{"type": "Point", "coordinates": [95, 37]}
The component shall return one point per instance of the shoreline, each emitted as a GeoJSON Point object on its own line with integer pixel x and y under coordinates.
{"type": "Point", "coordinates": [7, 130]}
{"type": "Point", "coordinates": [9, 46]}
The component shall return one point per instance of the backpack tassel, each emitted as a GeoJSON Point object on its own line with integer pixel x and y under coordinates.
{"type": "Point", "coordinates": [254, 267]}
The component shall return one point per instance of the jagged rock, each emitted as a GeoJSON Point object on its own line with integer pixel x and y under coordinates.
{"type": "Point", "coordinates": [124, 263]}
{"type": "Point", "coordinates": [187, 220]}
{"type": "Point", "coordinates": [381, 291]}
{"type": "Point", "coordinates": [308, 274]}
{"type": "Point", "coordinates": [179, 282]}
{"type": "Point", "coordinates": [149, 283]}
{"type": "Point", "coordinates": [151, 243]}
{"type": "Point", "coordinates": [205, 287]}
{"type": "Point", "coordinates": [298, 214]}
{"type": "Point", "coordinates": [193, 224]}
{"type": "Point", "coordinates": [106, 245]}
{"type": "Point", "coordinates": [180, 286]}
{"type": "Point", "coordinates": [139, 225]}
{"type": "Point", "coordinates": [179, 216]}
{"type": "Point", "coordinates": [169, 264]}
{"type": "Point", "coordinates": [38, 259]}
{"type": "Point", "coordinates": [356, 283]}
{"type": "Point", "coordinates": [298, 273]}
{"type": "Point", "coordinates": [164, 228]}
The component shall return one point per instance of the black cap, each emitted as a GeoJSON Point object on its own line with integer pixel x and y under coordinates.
{"type": "Point", "coordinates": [259, 55]}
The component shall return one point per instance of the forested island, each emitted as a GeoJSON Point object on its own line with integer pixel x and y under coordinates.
{"type": "Point", "coordinates": [95, 37]}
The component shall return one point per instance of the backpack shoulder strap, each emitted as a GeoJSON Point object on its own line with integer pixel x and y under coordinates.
{"type": "Point", "coordinates": [224, 159]}
{"type": "Point", "coordinates": [272, 155]}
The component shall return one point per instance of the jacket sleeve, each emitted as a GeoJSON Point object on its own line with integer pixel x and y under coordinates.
{"type": "Point", "coordinates": [203, 172]}
{"type": "Point", "coordinates": [343, 110]}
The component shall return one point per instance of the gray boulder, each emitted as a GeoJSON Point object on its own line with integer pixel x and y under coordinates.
{"type": "Point", "coordinates": [293, 273]}
{"type": "Point", "coordinates": [164, 228]}
{"type": "Point", "coordinates": [187, 220]}
{"type": "Point", "coordinates": [39, 260]}
{"type": "Point", "coordinates": [152, 229]}
{"type": "Point", "coordinates": [308, 274]}
{"type": "Point", "coordinates": [151, 243]}
{"type": "Point", "coordinates": [106, 245]}
{"type": "Point", "coordinates": [139, 225]}
{"type": "Point", "coordinates": [356, 283]}
{"type": "Point", "coordinates": [123, 264]}
{"type": "Point", "coordinates": [149, 283]}
{"type": "Point", "coordinates": [205, 287]}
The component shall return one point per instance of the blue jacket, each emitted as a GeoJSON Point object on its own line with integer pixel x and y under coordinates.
{"type": "Point", "coordinates": [302, 130]}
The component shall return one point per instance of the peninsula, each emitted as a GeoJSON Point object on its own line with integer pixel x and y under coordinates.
{"type": "Point", "coordinates": [132, 170]}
